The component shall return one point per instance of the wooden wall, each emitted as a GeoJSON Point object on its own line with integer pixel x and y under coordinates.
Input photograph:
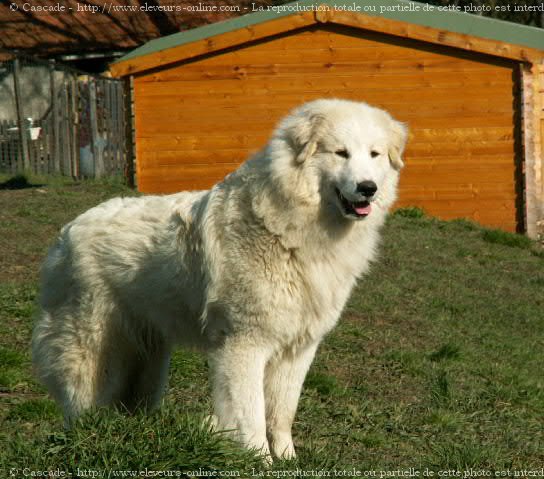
{"type": "Point", "coordinates": [196, 121]}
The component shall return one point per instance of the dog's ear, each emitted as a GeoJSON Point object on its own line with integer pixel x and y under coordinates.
{"type": "Point", "coordinates": [304, 134]}
{"type": "Point", "coordinates": [398, 134]}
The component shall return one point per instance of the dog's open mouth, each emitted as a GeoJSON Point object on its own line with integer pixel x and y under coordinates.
{"type": "Point", "coordinates": [358, 209]}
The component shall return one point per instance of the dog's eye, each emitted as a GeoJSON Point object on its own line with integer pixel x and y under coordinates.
{"type": "Point", "coordinates": [343, 153]}
{"type": "Point", "coordinates": [374, 154]}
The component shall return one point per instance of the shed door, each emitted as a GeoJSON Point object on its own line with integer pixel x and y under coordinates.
{"type": "Point", "coordinates": [198, 120]}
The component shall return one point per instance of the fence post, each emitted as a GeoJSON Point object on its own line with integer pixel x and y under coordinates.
{"type": "Point", "coordinates": [129, 132]}
{"type": "Point", "coordinates": [23, 138]}
{"type": "Point", "coordinates": [106, 115]}
{"type": "Point", "coordinates": [54, 142]}
{"type": "Point", "coordinates": [77, 119]}
{"type": "Point", "coordinates": [95, 143]}
{"type": "Point", "coordinates": [74, 124]}
{"type": "Point", "coordinates": [5, 163]}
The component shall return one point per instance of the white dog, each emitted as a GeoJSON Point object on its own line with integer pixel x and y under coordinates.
{"type": "Point", "coordinates": [254, 271]}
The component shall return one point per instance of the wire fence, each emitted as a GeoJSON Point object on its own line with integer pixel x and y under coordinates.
{"type": "Point", "coordinates": [57, 120]}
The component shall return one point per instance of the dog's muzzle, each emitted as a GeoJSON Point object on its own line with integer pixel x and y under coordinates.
{"type": "Point", "coordinates": [360, 208]}
{"type": "Point", "coordinates": [367, 188]}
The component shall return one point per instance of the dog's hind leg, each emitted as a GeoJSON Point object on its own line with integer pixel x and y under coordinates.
{"type": "Point", "coordinates": [67, 362]}
{"type": "Point", "coordinates": [284, 377]}
{"type": "Point", "coordinates": [146, 376]}
{"type": "Point", "coordinates": [81, 354]}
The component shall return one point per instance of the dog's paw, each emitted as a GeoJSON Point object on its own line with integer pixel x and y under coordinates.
{"type": "Point", "coordinates": [283, 447]}
{"type": "Point", "coordinates": [267, 459]}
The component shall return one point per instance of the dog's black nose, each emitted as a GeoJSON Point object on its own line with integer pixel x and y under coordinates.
{"type": "Point", "coordinates": [367, 188]}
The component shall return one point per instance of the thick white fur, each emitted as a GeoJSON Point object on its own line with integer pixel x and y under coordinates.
{"type": "Point", "coordinates": [254, 271]}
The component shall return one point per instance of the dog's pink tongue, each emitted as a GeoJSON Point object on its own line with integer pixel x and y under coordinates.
{"type": "Point", "coordinates": [363, 210]}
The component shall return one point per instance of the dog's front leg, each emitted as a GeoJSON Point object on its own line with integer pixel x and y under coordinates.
{"type": "Point", "coordinates": [284, 377]}
{"type": "Point", "coordinates": [237, 375]}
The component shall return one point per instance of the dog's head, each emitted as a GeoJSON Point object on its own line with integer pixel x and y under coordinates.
{"type": "Point", "coordinates": [350, 151]}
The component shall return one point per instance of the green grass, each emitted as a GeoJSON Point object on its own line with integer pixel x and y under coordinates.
{"type": "Point", "coordinates": [445, 352]}
{"type": "Point", "coordinates": [437, 361]}
{"type": "Point", "coordinates": [507, 239]}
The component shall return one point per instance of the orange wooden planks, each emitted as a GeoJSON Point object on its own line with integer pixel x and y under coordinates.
{"type": "Point", "coordinates": [197, 121]}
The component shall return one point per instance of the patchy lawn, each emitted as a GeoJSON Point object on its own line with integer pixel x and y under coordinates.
{"type": "Point", "coordinates": [437, 362]}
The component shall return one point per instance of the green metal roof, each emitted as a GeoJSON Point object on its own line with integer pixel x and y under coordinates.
{"type": "Point", "coordinates": [402, 10]}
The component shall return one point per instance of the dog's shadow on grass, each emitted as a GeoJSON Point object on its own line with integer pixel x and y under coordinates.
{"type": "Point", "coordinates": [18, 182]}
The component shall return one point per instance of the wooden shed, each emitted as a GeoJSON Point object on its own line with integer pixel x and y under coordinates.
{"type": "Point", "coordinates": [469, 87]}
